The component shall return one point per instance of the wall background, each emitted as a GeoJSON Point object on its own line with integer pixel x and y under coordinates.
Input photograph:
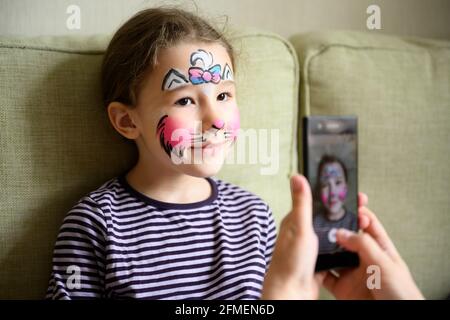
{"type": "Point", "coordinates": [429, 18]}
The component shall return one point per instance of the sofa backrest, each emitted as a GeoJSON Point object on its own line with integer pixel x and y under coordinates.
{"type": "Point", "coordinates": [400, 90]}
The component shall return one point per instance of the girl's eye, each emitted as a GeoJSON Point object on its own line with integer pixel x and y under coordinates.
{"type": "Point", "coordinates": [223, 96]}
{"type": "Point", "coordinates": [184, 102]}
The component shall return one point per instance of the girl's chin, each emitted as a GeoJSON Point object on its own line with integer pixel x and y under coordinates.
{"type": "Point", "coordinates": [202, 170]}
{"type": "Point", "coordinates": [334, 211]}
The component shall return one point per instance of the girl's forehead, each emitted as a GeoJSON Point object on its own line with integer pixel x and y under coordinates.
{"type": "Point", "coordinates": [188, 64]}
{"type": "Point", "coordinates": [332, 170]}
{"type": "Point", "coordinates": [183, 55]}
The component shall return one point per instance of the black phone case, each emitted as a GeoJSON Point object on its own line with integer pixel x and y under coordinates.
{"type": "Point", "coordinates": [339, 260]}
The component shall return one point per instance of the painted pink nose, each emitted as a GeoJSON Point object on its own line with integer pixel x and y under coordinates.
{"type": "Point", "coordinates": [218, 124]}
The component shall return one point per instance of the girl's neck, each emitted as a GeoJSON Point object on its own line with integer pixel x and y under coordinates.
{"type": "Point", "coordinates": [165, 184]}
{"type": "Point", "coordinates": [337, 215]}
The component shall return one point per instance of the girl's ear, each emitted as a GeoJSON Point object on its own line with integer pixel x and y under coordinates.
{"type": "Point", "coordinates": [120, 116]}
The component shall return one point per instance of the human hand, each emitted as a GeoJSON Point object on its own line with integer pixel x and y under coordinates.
{"type": "Point", "coordinates": [374, 248]}
{"type": "Point", "coordinates": [291, 271]}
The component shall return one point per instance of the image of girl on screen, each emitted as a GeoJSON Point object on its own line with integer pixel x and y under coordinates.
{"type": "Point", "coordinates": [330, 211]}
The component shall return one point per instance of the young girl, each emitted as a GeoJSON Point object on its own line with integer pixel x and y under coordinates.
{"type": "Point", "coordinates": [331, 189]}
{"type": "Point", "coordinates": [166, 229]}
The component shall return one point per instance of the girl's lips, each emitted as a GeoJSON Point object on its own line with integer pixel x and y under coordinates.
{"type": "Point", "coordinates": [209, 145]}
{"type": "Point", "coordinates": [209, 149]}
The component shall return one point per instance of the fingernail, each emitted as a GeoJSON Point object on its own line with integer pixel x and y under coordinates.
{"type": "Point", "coordinates": [344, 233]}
{"type": "Point", "coordinates": [295, 183]}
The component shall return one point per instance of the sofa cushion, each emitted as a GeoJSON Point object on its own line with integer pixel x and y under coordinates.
{"type": "Point", "coordinates": [57, 143]}
{"type": "Point", "coordinates": [400, 90]}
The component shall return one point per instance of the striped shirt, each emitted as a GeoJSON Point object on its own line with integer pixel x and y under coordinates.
{"type": "Point", "coordinates": [325, 230]}
{"type": "Point", "coordinates": [118, 243]}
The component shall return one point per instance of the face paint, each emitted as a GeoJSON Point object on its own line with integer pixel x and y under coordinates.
{"type": "Point", "coordinates": [342, 194]}
{"type": "Point", "coordinates": [233, 126]}
{"type": "Point", "coordinates": [218, 124]}
{"type": "Point", "coordinates": [227, 73]}
{"type": "Point", "coordinates": [173, 80]}
{"type": "Point", "coordinates": [324, 198]}
{"type": "Point", "coordinates": [330, 172]}
{"type": "Point", "coordinates": [334, 189]}
{"type": "Point", "coordinates": [205, 74]}
{"type": "Point", "coordinates": [174, 137]}
{"type": "Point", "coordinates": [201, 71]}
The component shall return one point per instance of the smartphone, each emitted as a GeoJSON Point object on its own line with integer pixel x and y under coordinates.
{"type": "Point", "coordinates": [330, 149]}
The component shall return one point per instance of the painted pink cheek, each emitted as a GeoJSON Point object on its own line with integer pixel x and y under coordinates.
{"type": "Point", "coordinates": [342, 194]}
{"type": "Point", "coordinates": [235, 123]}
{"type": "Point", "coordinates": [324, 198]}
{"type": "Point", "coordinates": [177, 133]}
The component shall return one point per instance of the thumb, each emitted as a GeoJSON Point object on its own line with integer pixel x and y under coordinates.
{"type": "Point", "coordinates": [362, 243]}
{"type": "Point", "coordinates": [301, 202]}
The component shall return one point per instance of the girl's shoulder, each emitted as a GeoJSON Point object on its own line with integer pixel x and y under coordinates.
{"type": "Point", "coordinates": [230, 191]}
{"type": "Point", "coordinates": [108, 188]}
{"type": "Point", "coordinates": [88, 213]}
{"type": "Point", "coordinates": [107, 192]}
{"type": "Point", "coordinates": [227, 187]}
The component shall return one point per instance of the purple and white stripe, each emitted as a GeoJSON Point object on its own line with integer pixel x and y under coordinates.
{"type": "Point", "coordinates": [123, 244]}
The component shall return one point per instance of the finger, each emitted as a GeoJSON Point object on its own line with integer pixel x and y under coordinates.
{"type": "Point", "coordinates": [363, 199]}
{"type": "Point", "coordinates": [301, 203]}
{"type": "Point", "coordinates": [377, 231]}
{"type": "Point", "coordinates": [319, 277]}
{"type": "Point", "coordinates": [363, 221]}
{"type": "Point", "coordinates": [367, 248]}
{"type": "Point", "coordinates": [329, 282]}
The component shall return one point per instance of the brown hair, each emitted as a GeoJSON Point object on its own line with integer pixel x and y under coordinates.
{"type": "Point", "coordinates": [133, 50]}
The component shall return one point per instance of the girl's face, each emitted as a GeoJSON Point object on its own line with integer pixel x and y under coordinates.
{"type": "Point", "coordinates": [333, 187]}
{"type": "Point", "coordinates": [186, 112]}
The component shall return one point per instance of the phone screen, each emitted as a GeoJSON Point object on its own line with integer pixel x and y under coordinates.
{"type": "Point", "coordinates": [330, 165]}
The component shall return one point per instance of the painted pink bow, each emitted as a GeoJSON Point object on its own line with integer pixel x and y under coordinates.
{"type": "Point", "coordinates": [198, 75]}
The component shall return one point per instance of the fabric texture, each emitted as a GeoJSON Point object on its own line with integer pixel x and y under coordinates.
{"type": "Point", "coordinates": [400, 90]}
{"type": "Point", "coordinates": [123, 244]}
{"type": "Point", "coordinates": [57, 144]}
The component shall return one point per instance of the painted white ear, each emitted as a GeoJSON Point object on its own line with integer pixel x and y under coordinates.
{"type": "Point", "coordinates": [173, 80]}
{"type": "Point", "coordinates": [227, 73]}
